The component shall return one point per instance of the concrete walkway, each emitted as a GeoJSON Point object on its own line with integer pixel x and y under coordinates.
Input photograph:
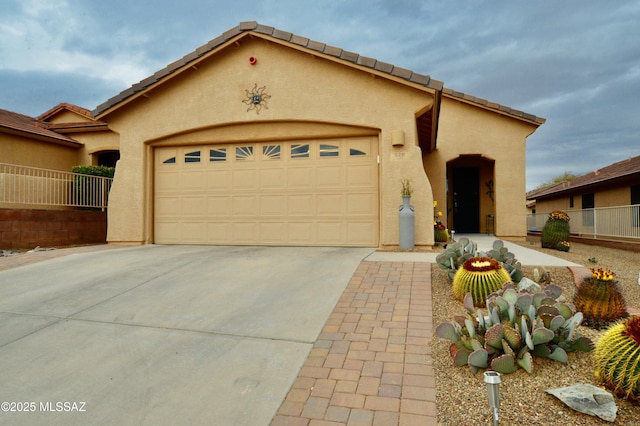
{"type": "Point", "coordinates": [369, 364]}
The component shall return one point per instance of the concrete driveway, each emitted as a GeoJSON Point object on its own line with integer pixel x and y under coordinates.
{"type": "Point", "coordinates": [163, 334]}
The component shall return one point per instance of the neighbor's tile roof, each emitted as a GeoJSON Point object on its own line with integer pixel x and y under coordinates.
{"type": "Point", "coordinates": [618, 170]}
{"type": "Point", "coordinates": [19, 124]}
{"type": "Point", "coordinates": [317, 47]}
{"type": "Point", "coordinates": [62, 106]}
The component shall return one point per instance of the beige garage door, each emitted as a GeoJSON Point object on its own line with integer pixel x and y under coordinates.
{"type": "Point", "coordinates": [302, 193]}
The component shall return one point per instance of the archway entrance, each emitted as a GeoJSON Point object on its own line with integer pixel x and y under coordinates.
{"type": "Point", "coordinates": [470, 194]}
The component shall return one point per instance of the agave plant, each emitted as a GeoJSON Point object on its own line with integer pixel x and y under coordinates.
{"type": "Point", "coordinates": [516, 327]}
{"type": "Point", "coordinates": [617, 358]}
{"type": "Point", "coordinates": [599, 298]}
{"type": "Point", "coordinates": [480, 277]}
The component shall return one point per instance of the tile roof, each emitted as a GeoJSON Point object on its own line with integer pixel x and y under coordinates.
{"type": "Point", "coordinates": [317, 47]}
{"type": "Point", "coordinates": [62, 106]}
{"type": "Point", "coordinates": [619, 170]}
{"type": "Point", "coordinates": [23, 125]}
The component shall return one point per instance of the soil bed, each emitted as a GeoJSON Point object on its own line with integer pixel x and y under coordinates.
{"type": "Point", "coordinates": [462, 397]}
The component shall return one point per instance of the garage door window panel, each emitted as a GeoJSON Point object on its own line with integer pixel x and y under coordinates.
{"type": "Point", "coordinates": [329, 150]}
{"type": "Point", "coordinates": [244, 153]}
{"type": "Point", "coordinates": [217, 155]}
{"type": "Point", "coordinates": [300, 151]}
{"type": "Point", "coordinates": [271, 152]}
{"type": "Point", "coordinates": [192, 157]}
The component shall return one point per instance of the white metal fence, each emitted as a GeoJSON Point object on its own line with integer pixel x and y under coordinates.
{"type": "Point", "coordinates": [29, 186]}
{"type": "Point", "coordinates": [610, 222]}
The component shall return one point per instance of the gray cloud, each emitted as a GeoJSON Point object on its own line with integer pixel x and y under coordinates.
{"type": "Point", "coordinates": [575, 63]}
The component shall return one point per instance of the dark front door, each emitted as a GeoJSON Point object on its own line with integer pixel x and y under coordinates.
{"type": "Point", "coordinates": [466, 200]}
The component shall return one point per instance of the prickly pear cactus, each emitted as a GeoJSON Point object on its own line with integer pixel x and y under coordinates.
{"type": "Point", "coordinates": [599, 299]}
{"type": "Point", "coordinates": [480, 276]}
{"type": "Point", "coordinates": [555, 230]}
{"type": "Point", "coordinates": [617, 357]}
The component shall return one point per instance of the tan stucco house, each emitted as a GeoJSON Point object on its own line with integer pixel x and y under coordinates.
{"type": "Point", "coordinates": [617, 184]}
{"type": "Point", "coordinates": [263, 137]}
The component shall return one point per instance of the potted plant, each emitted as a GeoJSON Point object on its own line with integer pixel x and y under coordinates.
{"type": "Point", "coordinates": [406, 217]}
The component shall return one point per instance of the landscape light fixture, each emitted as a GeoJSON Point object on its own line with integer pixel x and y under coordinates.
{"type": "Point", "coordinates": [492, 379]}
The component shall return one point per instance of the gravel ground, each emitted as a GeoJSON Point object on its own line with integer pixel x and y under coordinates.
{"type": "Point", "coordinates": [462, 397]}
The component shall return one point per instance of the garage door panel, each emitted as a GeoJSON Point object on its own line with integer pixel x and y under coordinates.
{"type": "Point", "coordinates": [361, 176]}
{"type": "Point", "coordinates": [194, 232]}
{"type": "Point", "coordinates": [322, 192]}
{"type": "Point", "coordinates": [245, 232]}
{"type": "Point", "coordinates": [302, 233]}
{"type": "Point", "coordinates": [331, 177]}
{"type": "Point", "coordinates": [300, 177]}
{"type": "Point", "coordinates": [330, 233]}
{"type": "Point", "coordinates": [330, 204]}
{"type": "Point", "coordinates": [273, 232]}
{"type": "Point", "coordinates": [272, 179]}
{"type": "Point", "coordinates": [273, 205]}
{"type": "Point", "coordinates": [360, 232]}
{"type": "Point", "coordinates": [361, 204]}
{"type": "Point", "coordinates": [193, 206]}
{"type": "Point", "coordinates": [219, 232]}
{"type": "Point", "coordinates": [245, 205]}
{"type": "Point", "coordinates": [218, 180]}
{"type": "Point", "coordinates": [167, 206]}
{"type": "Point", "coordinates": [192, 181]}
{"type": "Point", "coordinates": [301, 205]}
{"type": "Point", "coordinates": [219, 206]}
{"type": "Point", "coordinates": [245, 180]}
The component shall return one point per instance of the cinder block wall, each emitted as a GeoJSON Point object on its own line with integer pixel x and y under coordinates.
{"type": "Point", "coordinates": [27, 229]}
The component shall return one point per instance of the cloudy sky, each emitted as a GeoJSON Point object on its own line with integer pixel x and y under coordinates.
{"type": "Point", "coordinates": [576, 63]}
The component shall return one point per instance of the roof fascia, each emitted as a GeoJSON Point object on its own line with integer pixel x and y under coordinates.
{"type": "Point", "coordinates": [52, 139]}
{"type": "Point", "coordinates": [176, 68]}
{"type": "Point", "coordinates": [493, 107]}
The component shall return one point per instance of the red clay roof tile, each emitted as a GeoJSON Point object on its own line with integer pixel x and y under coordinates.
{"type": "Point", "coordinates": [20, 124]}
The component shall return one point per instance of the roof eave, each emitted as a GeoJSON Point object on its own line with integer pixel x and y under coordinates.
{"type": "Point", "coordinates": [62, 140]}
{"type": "Point", "coordinates": [253, 29]}
{"type": "Point", "coordinates": [493, 107]}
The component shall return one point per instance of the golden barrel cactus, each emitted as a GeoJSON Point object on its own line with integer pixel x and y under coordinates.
{"type": "Point", "coordinates": [617, 357]}
{"type": "Point", "coordinates": [479, 276]}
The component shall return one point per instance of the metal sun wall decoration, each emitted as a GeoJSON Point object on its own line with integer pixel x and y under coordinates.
{"type": "Point", "coordinates": [256, 98]}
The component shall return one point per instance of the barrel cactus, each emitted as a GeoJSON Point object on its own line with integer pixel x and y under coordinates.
{"type": "Point", "coordinates": [517, 327]}
{"type": "Point", "coordinates": [480, 276]}
{"type": "Point", "coordinates": [617, 357]}
{"type": "Point", "coordinates": [440, 233]}
{"type": "Point", "coordinates": [599, 299]}
{"type": "Point", "coordinates": [555, 230]}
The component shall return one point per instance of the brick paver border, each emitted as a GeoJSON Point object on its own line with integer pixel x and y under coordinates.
{"type": "Point", "coordinates": [371, 364]}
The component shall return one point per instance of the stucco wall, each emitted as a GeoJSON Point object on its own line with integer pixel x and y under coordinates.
{"type": "Point", "coordinates": [605, 196]}
{"type": "Point", "coordinates": [304, 90]}
{"type": "Point", "coordinates": [469, 130]}
{"type": "Point", "coordinates": [34, 153]}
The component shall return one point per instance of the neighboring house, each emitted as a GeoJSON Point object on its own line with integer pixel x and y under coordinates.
{"type": "Point", "coordinates": [615, 185]}
{"type": "Point", "coordinates": [263, 137]}
{"type": "Point", "coordinates": [59, 139]}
